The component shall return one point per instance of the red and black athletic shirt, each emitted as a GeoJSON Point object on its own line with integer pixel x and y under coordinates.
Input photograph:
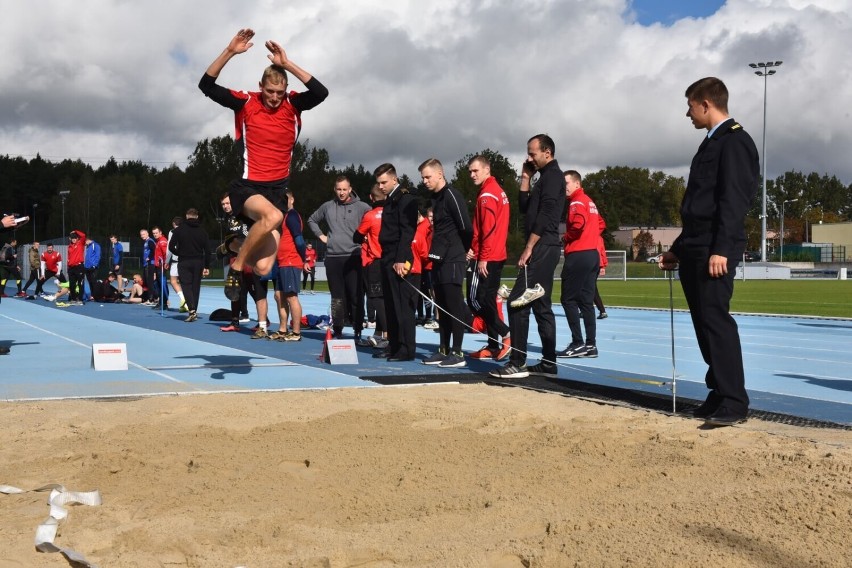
{"type": "Point", "coordinates": [266, 137]}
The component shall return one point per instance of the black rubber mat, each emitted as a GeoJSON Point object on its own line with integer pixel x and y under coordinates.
{"type": "Point", "coordinates": [650, 401]}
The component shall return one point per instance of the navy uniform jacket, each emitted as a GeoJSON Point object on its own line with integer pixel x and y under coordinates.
{"type": "Point", "coordinates": [399, 219]}
{"type": "Point", "coordinates": [722, 183]}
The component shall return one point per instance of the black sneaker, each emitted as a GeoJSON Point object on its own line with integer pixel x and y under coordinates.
{"type": "Point", "coordinates": [453, 361]}
{"type": "Point", "coordinates": [603, 316]}
{"type": "Point", "coordinates": [435, 358]}
{"type": "Point", "coordinates": [572, 350]}
{"type": "Point", "coordinates": [510, 371]}
{"type": "Point", "coordinates": [543, 369]}
{"type": "Point", "coordinates": [590, 352]}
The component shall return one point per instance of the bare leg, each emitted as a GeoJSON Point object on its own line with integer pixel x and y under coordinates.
{"type": "Point", "coordinates": [261, 244]}
{"type": "Point", "coordinates": [295, 312]}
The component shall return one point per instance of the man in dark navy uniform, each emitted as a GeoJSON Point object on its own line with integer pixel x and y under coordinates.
{"type": "Point", "coordinates": [722, 183]}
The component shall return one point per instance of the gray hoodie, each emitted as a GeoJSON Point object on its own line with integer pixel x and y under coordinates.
{"type": "Point", "coordinates": [342, 220]}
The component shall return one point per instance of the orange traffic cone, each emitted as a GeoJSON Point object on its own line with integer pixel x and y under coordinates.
{"type": "Point", "coordinates": [324, 355]}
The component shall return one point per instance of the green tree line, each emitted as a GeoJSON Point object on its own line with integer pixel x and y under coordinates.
{"type": "Point", "coordinates": [123, 197]}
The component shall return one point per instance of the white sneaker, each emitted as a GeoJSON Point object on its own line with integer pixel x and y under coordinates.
{"type": "Point", "coordinates": [503, 292]}
{"type": "Point", "coordinates": [49, 297]}
{"type": "Point", "coordinates": [529, 296]}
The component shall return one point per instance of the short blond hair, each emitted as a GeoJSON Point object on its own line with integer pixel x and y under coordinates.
{"type": "Point", "coordinates": [275, 75]}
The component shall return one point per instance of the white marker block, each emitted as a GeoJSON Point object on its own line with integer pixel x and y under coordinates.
{"type": "Point", "coordinates": [109, 356]}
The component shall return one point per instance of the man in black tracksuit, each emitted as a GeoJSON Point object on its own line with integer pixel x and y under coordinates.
{"type": "Point", "coordinates": [399, 220]}
{"type": "Point", "coordinates": [451, 237]}
{"type": "Point", "coordinates": [190, 244]}
{"type": "Point", "coordinates": [722, 184]}
{"type": "Point", "coordinates": [542, 208]}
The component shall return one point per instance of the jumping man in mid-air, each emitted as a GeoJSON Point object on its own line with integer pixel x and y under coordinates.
{"type": "Point", "coordinates": [267, 127]}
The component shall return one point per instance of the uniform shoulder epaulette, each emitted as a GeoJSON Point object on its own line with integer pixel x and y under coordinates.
{"type": "Point", "coordinates": [736, 126]}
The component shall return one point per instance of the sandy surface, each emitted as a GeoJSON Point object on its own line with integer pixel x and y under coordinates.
{"type": "Point", "coordinates": [451, 475]}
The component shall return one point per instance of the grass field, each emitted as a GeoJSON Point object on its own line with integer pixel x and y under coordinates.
{"type": "Point", "coordinates": [832, 298]}
{"type": "Point", "coordinates": [829, 298]}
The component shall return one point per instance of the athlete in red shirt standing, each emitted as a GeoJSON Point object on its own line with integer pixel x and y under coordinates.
{"type": "Point", "coordinates": [267, 125]}
{"type": "Point", "coordinates": [583, 229]}
{"type": "Point", "coordinates": [76, 272]}
{"type": "Point", "coordinates": [488, 249]}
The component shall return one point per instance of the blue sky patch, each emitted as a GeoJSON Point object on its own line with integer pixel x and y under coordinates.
{"type": "Point", "coordinates": [667, 12]}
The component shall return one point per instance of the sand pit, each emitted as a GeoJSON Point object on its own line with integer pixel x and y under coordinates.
{"type": "Point", "coordinates": [450, 475]}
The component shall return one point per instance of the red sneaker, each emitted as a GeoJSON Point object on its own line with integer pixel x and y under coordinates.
{"type": "Point", "coordinates": [505, 349]}
{"type": "Point", "coordinates": [230, 327]}
{"type": "Point", "coordinates": [484, 353]}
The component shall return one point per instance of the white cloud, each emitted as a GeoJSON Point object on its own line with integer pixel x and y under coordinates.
{"type": "Point", "coordinates": [410, 80]}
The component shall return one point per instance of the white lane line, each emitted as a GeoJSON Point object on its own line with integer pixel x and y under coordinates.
{"type": "Point", "coordinates": [85, 346]}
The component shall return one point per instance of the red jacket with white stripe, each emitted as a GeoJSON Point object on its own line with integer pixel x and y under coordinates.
{"type": "Point", "coordinates": [583, 225]}
{"type": "Point", "coordinates": [490, 222]}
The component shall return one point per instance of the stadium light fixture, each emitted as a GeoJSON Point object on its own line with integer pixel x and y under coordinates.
{"type": "Point", "coordinates": [764, 72]}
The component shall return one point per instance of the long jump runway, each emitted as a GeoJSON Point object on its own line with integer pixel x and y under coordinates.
{"type": "Point", "coordinates": [794, 366]}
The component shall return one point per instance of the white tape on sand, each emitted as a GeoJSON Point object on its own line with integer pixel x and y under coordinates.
{"type": "Point", "coordinates": [46, 531]}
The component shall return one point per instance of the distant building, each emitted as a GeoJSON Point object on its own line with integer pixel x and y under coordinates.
{"type": "Point", "coordinates": [838, 234]}
{"type": "Point", "coordinates": [663, 238]}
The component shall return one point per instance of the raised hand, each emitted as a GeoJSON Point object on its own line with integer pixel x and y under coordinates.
{"type": "Point", "coordinates": [277, 55]}
{"type": "Point", "coordinates": [242, 41]}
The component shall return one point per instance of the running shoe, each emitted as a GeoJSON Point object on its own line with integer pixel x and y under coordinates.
{"type": "Point", "coordinates": [277, 336]}
{"type": "Point", "coordinates": [378, 342]}
{"type": "Point", "coordinates": [543, 369]}
{"type": "Point", "coordinates": [510, 371]}
{"type": "Point", "coordinates": [233, 282]}
{"type": "Point", "coordinates": [431, 324]}
{"type": "Point", "coordinates": [529, 296]}
{"type": "Point", "coordinates": [572, 350]}
{"type": "Point", "coordinates": [193, 316]}
{"type": "Point", "coordinates": [435, 358]}
{"type": "Point", "coordinates": [503, 291]}
{"type": "Point", "coordinates": [230, 327]}
{"type": "Point", "coordinates": [505, 349]}
{"type": "Point", "coordinates": [453, 361]}
{"type": "Point", "coordinates": [260, 334]}
{"type": "Point", "coordinates": [61, 304]}
{"type": "Point", "coordinates": [245, 319]}
{"type": "Point", "coordinates": [292, 336]}
{"type": "Point", "coordinates": [603, 316]}
{"type": "Point", "coordinates": [590, 353]}
{"type": "Point", "coordinates": [363, 342]}
{"type": "Point", "coordinates": [484, 353]}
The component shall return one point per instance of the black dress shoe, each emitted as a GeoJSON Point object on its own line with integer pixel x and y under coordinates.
{"type": "Point", "coordinates": [709, 406]}
{"type": "Point", "coordinates": [400, 357]}
{"type": "Point", "coordinates": [706, 409]}
{"type": "Point", "coordinates": [381, 354]}
{"type": "Point", "coordinates": [725, 417]}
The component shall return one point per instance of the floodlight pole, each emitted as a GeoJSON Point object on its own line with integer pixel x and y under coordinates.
{"type": "Point", "coordinates": [782, 224]}
{"type": "Point", "coordinates": [63, 195]}
{"type": "Point", "coordinates": [765, 73]}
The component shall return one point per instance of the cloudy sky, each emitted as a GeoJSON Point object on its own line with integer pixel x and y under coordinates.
{"type": "Point", "coordinates": [412, 79]}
